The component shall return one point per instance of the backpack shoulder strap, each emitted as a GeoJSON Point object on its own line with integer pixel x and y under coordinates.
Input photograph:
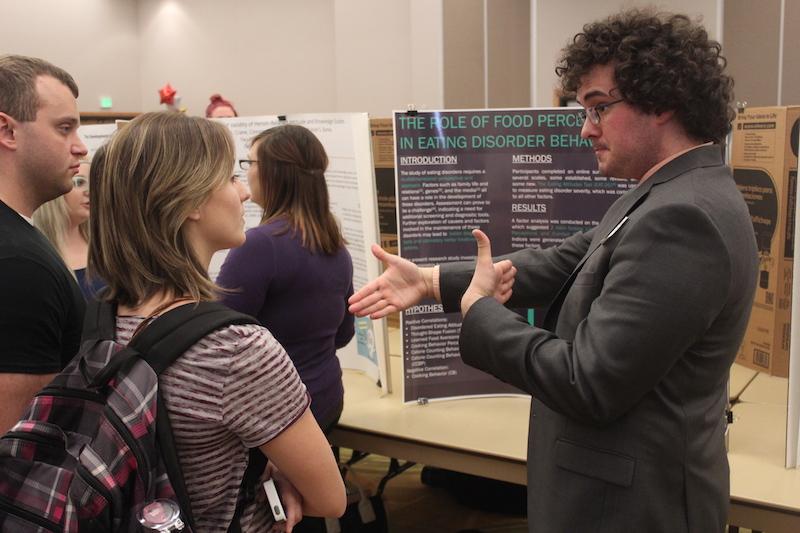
{"type": "Point", "coordinates": [174, 332]}
{"type": "Point", "coordinates": [99, 322]}
{"type": "Point", "coordinates": [160, 344]}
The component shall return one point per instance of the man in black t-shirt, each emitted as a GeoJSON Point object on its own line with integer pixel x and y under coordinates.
{"type": "Point", "coordinates": [41, 307]}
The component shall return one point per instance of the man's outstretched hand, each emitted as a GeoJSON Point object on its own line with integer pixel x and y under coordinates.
{"type": "Point", "coordinates": [404, 284]}
{"type": "Point", "coordinates": [489, 279]}
{"type": "Point", "coordinates": [401, 285]}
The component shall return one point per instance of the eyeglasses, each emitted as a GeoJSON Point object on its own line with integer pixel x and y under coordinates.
{"type": "Point", "coordinates": [596, 111]}
{"type": "Point", "coordinates": [245, 164]}
{"type": "Point", "coordinates": [79, 182]}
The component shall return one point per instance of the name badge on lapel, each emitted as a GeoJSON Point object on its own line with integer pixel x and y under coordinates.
{"type": "Point", "coordinates": [616, 229]}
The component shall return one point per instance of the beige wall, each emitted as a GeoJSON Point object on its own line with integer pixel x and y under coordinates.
{"type": "Point", "coordinates": [427, 66]}
{"type": "Point", "coordinates": [265, 56]}
{"type": "Point", "coordinates": [508, 37]}
{"type": "Point", "coordinates": [283, 57]}
{"type": "Point", "coordinates": [277, 56]}
{"type": "Point", "coordinates": [388, 55]}
{"type": "Point", "coordinates": [554, 26]}
{"type": "Point", "coordinates": [486, 53]}
{"type": "Point", "coordinates": [97, 41]}
{"type": "Point", "coordinates": [790, 94]}
{"type": "Point", "coordinates": [751, 44]}
{"type": "Point", "coordinates": [464, 59]}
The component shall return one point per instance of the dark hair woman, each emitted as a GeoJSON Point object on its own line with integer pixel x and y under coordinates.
{"type": "Point", "coordinates": [294, 273]}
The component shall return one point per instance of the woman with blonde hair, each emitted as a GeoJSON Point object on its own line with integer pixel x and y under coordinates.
{"type": "Point", "coordinates": [294, 273]}
{"type": "Point", "coordinates": [165, 201]}
{"type": "Point", "coordinates": [65, 223]}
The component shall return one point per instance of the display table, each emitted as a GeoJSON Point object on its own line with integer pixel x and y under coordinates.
{"type": "Point", "coordinates": [764, 494]}
{"type": "Point", "coordinates": [464, 435]}
{"type": "Point", "coordinates": [766, 389]}
{"type": "Point", "coordinates": [488, 437]}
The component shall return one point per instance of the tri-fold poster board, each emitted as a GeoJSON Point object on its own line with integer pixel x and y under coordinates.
{"type": "Point", "coordinates": [351, 187]}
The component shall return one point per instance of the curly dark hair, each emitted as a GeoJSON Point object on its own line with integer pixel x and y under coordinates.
{"type": "Point", "coordinates": [662, 62]}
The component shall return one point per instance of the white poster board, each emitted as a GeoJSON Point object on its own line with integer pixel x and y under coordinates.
{"type": "Point", "coordinates": [351, 187]}
{"type": "Point", "coordinates": [95, 135]}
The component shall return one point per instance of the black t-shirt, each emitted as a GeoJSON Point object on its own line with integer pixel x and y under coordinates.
{"type": "Point", "coordinates": [41, 306]}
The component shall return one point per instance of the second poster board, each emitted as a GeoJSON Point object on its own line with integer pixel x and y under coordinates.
{"type": "Point", "coordinates": [351, 186]}
{"type": "Point", "coordinates": [95, 135]}
{"type": "Point", "coordinates": [523, 176]}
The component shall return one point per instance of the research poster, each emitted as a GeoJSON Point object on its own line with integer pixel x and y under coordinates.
{"type": "Point", "coordinates": [95, 135]}
{"type": "Point", "coordinates": [351, 187]}
{"type": "Point", "coordinates": [523, 176]}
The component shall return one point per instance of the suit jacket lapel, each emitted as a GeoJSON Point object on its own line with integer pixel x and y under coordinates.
{"type": "Point", "coordinates": [702, 156]}
{"type": "Point", "coordinates": [551, 317]}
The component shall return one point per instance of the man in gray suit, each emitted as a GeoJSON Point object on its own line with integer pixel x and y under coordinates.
{"type": "Point", "coordinates": [647, 310]}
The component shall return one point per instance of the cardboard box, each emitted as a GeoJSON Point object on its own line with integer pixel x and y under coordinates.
{"type": "Point", "coordinates": [764, 161]}
{"type": "Point", "coordinates": [383, 156]}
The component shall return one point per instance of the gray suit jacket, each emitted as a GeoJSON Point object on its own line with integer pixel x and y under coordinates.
{"type": "Point", "coordinates": [629, 383]}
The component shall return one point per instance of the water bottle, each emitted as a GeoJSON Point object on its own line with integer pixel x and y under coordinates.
{"type": "Point", "coordinates": [161, 515]}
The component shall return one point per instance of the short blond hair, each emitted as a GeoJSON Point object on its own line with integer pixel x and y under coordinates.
{"type": "Point", "coordinates": [52, 219]}
{"type": "Point", "coordinates": [156, 171]}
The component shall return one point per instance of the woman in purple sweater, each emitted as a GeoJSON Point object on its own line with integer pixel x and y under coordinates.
{"type": "Point", "coordinates": [293, 272]}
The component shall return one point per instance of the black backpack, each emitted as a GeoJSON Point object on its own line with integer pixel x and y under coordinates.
{"type": "Point", "coordinates": [96, 445]}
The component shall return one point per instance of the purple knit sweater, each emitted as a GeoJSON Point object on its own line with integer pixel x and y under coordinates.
{"type": "Point", "coordinates": [301, 298]}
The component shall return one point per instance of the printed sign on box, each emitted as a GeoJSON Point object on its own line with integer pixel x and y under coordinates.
{"type": "Point", "coordinates": [764, 164]}
{"type": "Point", "coordinates": [382, 133]}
